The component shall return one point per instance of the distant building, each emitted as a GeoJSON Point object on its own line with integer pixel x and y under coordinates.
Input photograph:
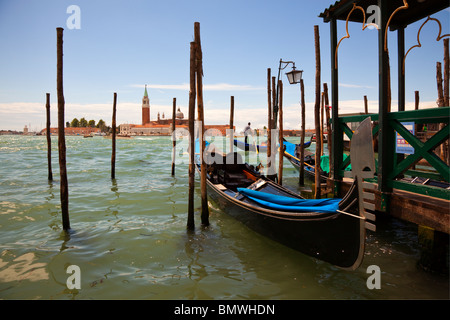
{"type": "Point", "coordinates": [145, 108]}
{"type": "Point", "coordinates": [162, 126]}
{"type": "Point", "coordinates": [74, 131]}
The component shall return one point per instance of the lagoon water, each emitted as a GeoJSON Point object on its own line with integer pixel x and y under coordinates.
{"type": "Point", "coordinates": [129, 237]}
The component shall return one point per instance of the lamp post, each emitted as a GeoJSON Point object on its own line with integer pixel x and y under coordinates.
{"type": "Point", "coordinates": [294, 76]}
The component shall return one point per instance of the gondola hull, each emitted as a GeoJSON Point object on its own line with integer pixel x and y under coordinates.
{"type": "Point", "coordinates": [334, 237]}
{"type": "Point", "coordinates": [249, 147]}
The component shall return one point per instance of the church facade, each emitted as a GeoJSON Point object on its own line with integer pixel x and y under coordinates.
{"type": "Point", "coordinates": [162, 126]}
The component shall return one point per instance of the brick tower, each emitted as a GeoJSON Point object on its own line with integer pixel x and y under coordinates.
{"type": "Point", "coordinates": [145, 108]}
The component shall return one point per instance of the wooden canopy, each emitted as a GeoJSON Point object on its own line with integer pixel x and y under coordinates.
{"type": "Point", "coordinates": [417, 10]}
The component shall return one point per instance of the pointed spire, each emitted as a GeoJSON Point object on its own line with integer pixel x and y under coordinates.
{"type": "Point", "coordinates": [145, 93]}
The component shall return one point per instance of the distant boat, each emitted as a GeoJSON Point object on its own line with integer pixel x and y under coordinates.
{"type": "Point", "coordinates": [325, 138]}
{"type": "Point", "coordinates": [88, 136]}
{"type": "Point", "coordinates": [263, 148]}
{"type": "Point", "coordinates": [118, 136]}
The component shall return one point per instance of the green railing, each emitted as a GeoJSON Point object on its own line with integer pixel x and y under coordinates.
{"type": "Point", "coordinates": [405, 165]}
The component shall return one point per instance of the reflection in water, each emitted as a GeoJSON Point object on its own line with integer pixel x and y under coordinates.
{"type": "Point", "coordinates": [196, 270]}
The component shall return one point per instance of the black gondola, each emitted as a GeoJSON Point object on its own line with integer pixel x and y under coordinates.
{"type": "Point", "coordinates": [332, 230]}
{"type": "Point", "coordinates": [259, 147]}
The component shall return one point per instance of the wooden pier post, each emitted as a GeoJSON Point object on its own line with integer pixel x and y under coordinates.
{"type": "Point", "coordinates": [113, 155]}
{"type": "Point", "coordinates": [280, 135]}
{"type": "Point", "coordinates": [192, 93]}
{"type": "Point", "coordinates": [301, 180]}
{"type": "Point", "coordinates": [64, 189]}
{"type": "Point", "coordinates": [446, 73]}
{"type": "Point", "coordinates": [316, 113]}
{"type": "Point", "coordinates": [446, 93]}
{"type": "Point", "coordinates": [174, 141]}
{"type": "Point", "coordinates": [201, 118]}
{"type": "Point", "coordinates": [231, 123]}
{"type": "Point", "coordinates": [49, 139]}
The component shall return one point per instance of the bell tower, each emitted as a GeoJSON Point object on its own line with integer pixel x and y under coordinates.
{"type": "Point", "coordinates": [145, 108]}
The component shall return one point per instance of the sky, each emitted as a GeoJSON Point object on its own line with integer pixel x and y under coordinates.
{"type": "Point", "coordinates": [121, 46]}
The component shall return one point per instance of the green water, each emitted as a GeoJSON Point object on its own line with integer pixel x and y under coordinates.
{"type": "Point", "coordinates": [129, 237]}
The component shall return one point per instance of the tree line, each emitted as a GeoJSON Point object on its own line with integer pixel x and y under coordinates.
{"type": "Point", "coordinates": [83, 123]}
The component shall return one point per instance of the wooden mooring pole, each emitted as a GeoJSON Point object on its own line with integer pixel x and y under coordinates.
{"type": "Point", "coordinates": [49, 139]}
{"type": "Point", "coordinates": [317, 114]}
{"type": "Point", "coordinates": [269, 124]}
{"type": "Point", "coordinates": [64, 189]}
{"type": "Point", "coordinates": [192, 93]}
{"type": "Point", "coordinates": [231, 123]}
{"type": "Point", "coordinates": [113, 155]}
{"type": "Point", "coordinates": [201, 118]}
{"type": "Point", "coordinates": [327, 116]}
{"type": "Point", "coordinates": [174, 138]}
{"type": "Point", "coordinates": [366, 105]}
{"type": "Point", "coordinates": [301, 180]}
{"type": "Point", "coordinates": [280, 135]}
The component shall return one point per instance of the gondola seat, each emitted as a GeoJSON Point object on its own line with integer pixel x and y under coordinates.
{"type": "Point", "coordinates": [231, 173]}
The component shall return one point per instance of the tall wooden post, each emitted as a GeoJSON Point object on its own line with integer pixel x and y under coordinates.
{"type": "Point", "coordinates": [400, 70]}
{"type": "Point", "coordinates": [64, 189]}
{"type": "Point", "coordinates": [301, 180]}
{"type": "Point", "coordinates": [274, 101]}
{"type": "Point", "coordinates": [446, 73]}
{"type": "Point", "coordinates": [317, 113]}
{"type": "Point", "coordinates": [113, 155]}
{"type": "Point", "coordinates": [441, 103]}
{"type": "Point", "coordinates": [386, 136]}
{"type": "Point", "coordinates": [280, 134]}
{"type": "Point", "coordinates": [330, 135]}
{"type": "Point", "coordinates": [446, 94]}
{"type": "Point", "coordinates": [49, 139]}
{"type": "Point", "coordinates": [269, 123]}
{"type": "Point", "coordinates": [231, 123]}
{"type": "Point", "coordinates": [192, 93]}
{"type": "Point", "coordinates": [416, 100]}
{"type": "Point", "coordinates": [337, 134]}
{"type": "Point", "coordinates": [366, 105]}
{"type": "Point", "coordinates": [439, 84]}
{"type": "Point", "coordinates": [174, 141]}
{"type": "Point", "coordinates": [201, 118]}
{"type": "Point", "coordinates": [322, 107]}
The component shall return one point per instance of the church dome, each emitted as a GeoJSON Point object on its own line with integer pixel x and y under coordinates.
{"type": "Point", "coordinates": [179, 114]}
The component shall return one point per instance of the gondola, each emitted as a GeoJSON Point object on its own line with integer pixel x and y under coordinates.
{"type": "Point", "coordinates": [330, 230]}
{"type": "Point", "coordinates": [249, 147]}
{"type": "Point", "coordinates": [309, 162]}
{"type": "Point", "coordinates": [261, 148]}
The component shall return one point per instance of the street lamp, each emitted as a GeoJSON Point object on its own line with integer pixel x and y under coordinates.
{"type": "Point", "coordinates": [294, 76]}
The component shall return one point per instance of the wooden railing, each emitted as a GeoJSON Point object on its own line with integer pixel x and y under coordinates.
{"type": "Point", "coordinates": [405, 165]}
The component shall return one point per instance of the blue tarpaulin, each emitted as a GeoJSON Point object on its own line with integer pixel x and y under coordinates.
{"type": "Point", "coordinates": [283, 203]}
{"type": "Point", "coordinates": [290, 147]}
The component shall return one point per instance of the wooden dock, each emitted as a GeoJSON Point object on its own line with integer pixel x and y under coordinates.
{"type": "Point", "coordinates": [420, 209]}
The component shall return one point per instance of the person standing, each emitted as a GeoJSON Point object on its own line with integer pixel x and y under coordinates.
{"type": "Point", "coordinates": [247, 132]}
